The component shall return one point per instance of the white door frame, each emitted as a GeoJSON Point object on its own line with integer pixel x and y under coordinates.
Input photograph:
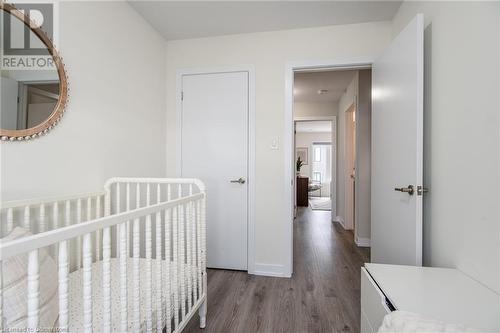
{"type": "Point", "coordinates": [251, 143]}
{"type": "Point", "coordinates": [289, 172]}
{"type": "Point", "coordinates": [333, 119]}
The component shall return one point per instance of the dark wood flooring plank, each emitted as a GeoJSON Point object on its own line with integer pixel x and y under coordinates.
{"type": "Point", "coordinates": [322, 296]}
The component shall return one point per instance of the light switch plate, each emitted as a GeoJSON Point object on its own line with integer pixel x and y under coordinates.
{"type": "Point", "coordinates": [275, 143]}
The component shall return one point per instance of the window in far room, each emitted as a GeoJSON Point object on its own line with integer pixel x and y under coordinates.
{"type": "Point", "coordinates": [317, 176]}
{"type": "Point", "coordinates": [317, 154]}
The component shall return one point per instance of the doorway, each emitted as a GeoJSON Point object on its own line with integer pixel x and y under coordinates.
{"type": "Point", "coordinates": [343, 92]}
{"type": "Point", "coordinates": [315, 161]}
{"type": "Point", "coordinates": [216, 120]}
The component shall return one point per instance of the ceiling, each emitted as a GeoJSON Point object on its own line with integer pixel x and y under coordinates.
{"type": "Point", "coordinates": [307, 85]}
{"type": "Point", "coordinates": [194, 19]}
{"type": "Point", "coordinates": [313, 126]}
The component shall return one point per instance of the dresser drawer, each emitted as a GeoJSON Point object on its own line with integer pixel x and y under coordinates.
{"type": "Point", "coordinates": [373, 304]}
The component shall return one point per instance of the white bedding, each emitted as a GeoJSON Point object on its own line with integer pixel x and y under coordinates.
{"type": "Point", "coordinates": [76, 292]}
{"type": "Point", "coordinates": [408, 322]}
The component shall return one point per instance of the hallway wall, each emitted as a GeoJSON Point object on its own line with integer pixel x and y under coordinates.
{"type": "Point", "coordinates": [315, 109]}
{"type": "Point", "coordinates": [349, 97]}
{"type": "Point", "coordinates": [363, 159]}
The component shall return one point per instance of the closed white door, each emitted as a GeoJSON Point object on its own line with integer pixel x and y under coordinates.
{"type": "Point", "coordinates": [215, 149]}
{"type": "Point", "coordinates": [397, 149]}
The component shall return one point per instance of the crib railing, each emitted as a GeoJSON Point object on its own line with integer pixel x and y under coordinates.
{"type": "Point", "coordinates": [44, 214]}
{"type": "Point", "coordinates": [159, 220]}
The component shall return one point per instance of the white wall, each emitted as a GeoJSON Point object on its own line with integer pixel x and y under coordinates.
{"type": "Point", "coordinates": [315, 109]}
{"type": "Point", "coordinates": [462, 143]}
{"type": "Point", "coordinates": [346, 100]}
{"type": "Point", "coordinates": [115, 120]}
{"type": "Point", "coordinates": [269, 52]}
{"type": "Point", "coordinates": [363, 156]}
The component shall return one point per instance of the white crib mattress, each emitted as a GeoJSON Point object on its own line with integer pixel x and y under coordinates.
{"type": "Point", "coordinates": [76, 295]}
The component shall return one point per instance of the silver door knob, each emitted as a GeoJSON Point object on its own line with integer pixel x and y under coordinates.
{"type": "Point", "coordinates": [410, 189]}
{"type": "Point", "coordinates": [240, 180]}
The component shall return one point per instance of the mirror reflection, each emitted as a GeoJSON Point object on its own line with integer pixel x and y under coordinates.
{"type": "Point", "coordinates": [30, 85]}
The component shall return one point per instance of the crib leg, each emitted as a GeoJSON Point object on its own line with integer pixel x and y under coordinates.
{"type": "Point", "coordinates": [203, 314]}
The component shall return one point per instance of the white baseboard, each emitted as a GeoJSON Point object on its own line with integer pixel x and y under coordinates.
{"type": "Point", "coordinates": [340, 220]}
{"type": "Point", "coordinates": [362, 242]}
{"type": "Point", "coordinates": [269, 270]}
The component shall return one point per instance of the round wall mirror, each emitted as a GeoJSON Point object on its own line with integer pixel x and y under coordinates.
{"type": "Point", "coordinates": [34, 86]}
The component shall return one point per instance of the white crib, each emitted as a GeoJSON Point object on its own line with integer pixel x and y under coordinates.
{"type": "Point", "coordinates": [129, 258]}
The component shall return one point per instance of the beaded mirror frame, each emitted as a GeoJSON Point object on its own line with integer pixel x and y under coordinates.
{"type": "Point", "coordinates": [57, 113]}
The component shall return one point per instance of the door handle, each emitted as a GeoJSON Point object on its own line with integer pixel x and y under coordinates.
{"type": "Point", "coordinates": [410, 189]}
{"type": "Point", "coordinates": [240, 180]}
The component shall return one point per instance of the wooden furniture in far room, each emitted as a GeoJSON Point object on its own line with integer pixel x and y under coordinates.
{"type": "Point", "coordinates": [302, 191]}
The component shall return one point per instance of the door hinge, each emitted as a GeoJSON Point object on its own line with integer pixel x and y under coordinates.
{"type": "Point", "coordinates": [182, 95]}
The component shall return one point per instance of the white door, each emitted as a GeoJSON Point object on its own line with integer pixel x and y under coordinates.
{"type": "Point", "coordinates": [397, 157]}
{"type": "Point", "coordinates": [215, 150]}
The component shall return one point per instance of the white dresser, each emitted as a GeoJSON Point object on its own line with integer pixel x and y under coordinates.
{"type": "Point", "coordinates": [440, 293]}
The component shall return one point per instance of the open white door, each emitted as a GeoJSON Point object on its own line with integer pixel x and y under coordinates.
{"type": "Point", "coordinates": [397, 149]}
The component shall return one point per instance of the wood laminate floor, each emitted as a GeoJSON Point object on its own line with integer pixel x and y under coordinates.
{"type": "Point", "coordinates": [322, 296]}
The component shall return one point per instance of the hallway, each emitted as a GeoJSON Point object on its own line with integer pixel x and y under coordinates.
{"type": "Point", "coordinates": [322, 296]}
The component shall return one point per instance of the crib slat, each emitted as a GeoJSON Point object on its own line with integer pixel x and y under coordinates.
{"type": "Point", "coordinates": [67, 215]}
{"type": "Point", "coordinates": [27, 223]}
{"type": "Point", "coordinates": [192, 270]}
{"type": "Point", "coordinates": [182, 244]}
{"type": "Point", "coordinates": [33, 290]}
{"type": "Point", "coordinates": [117, 196]}
{"type": "Point", "coordinates": [106, 279]}
{"type": "Point", "coordinates": [98, 232]}
{"type": "Point", "coordinates": [136, 265]}
{"type": "Point", "coordinates": [175, 265]}
{"type": "Point", "coordinates": [88, 214]}
{"type": "Point", "coordinates": [55, 215]}
{"type": "Point", "coordinates": [204, 245]}
{"type": "Point", "coordinates": [193, 252]}
{"type": "Point", "coordinates": [198, 242]}
{"type": "Point", "coordinates": [41, 223]}
{"type": "Point", "coordinates": [107, 203]}
{"type": "Point", "coordinates": [168, 260]}
{"type": "Point", "coordinates": [123, 278]}
{"type": "Point", "coordinates": [117, 211]}
{"type": "Point", "coordinates": [10, 221]}
{"type": "Point", "coordinates": [189, 279]}
{"type": "Point", "coordinates": [55, 225]}
{"type": "Point", "coordinates": [79, 238]}
{"type": "Point", "coordinates": [127, 207]}
{"type": "Point", "coordinates": [89, 208]}
{"type": "Point", "coordinates": [87, 283]}
{"type": "Point", "coordinates": [148, 239]}
{"type": "Point", "coordinates": [63, 286]}
{"type": "Point", "coordinates": [106, 267]}
{"type": "Point", "coordinates": [159, 271]}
